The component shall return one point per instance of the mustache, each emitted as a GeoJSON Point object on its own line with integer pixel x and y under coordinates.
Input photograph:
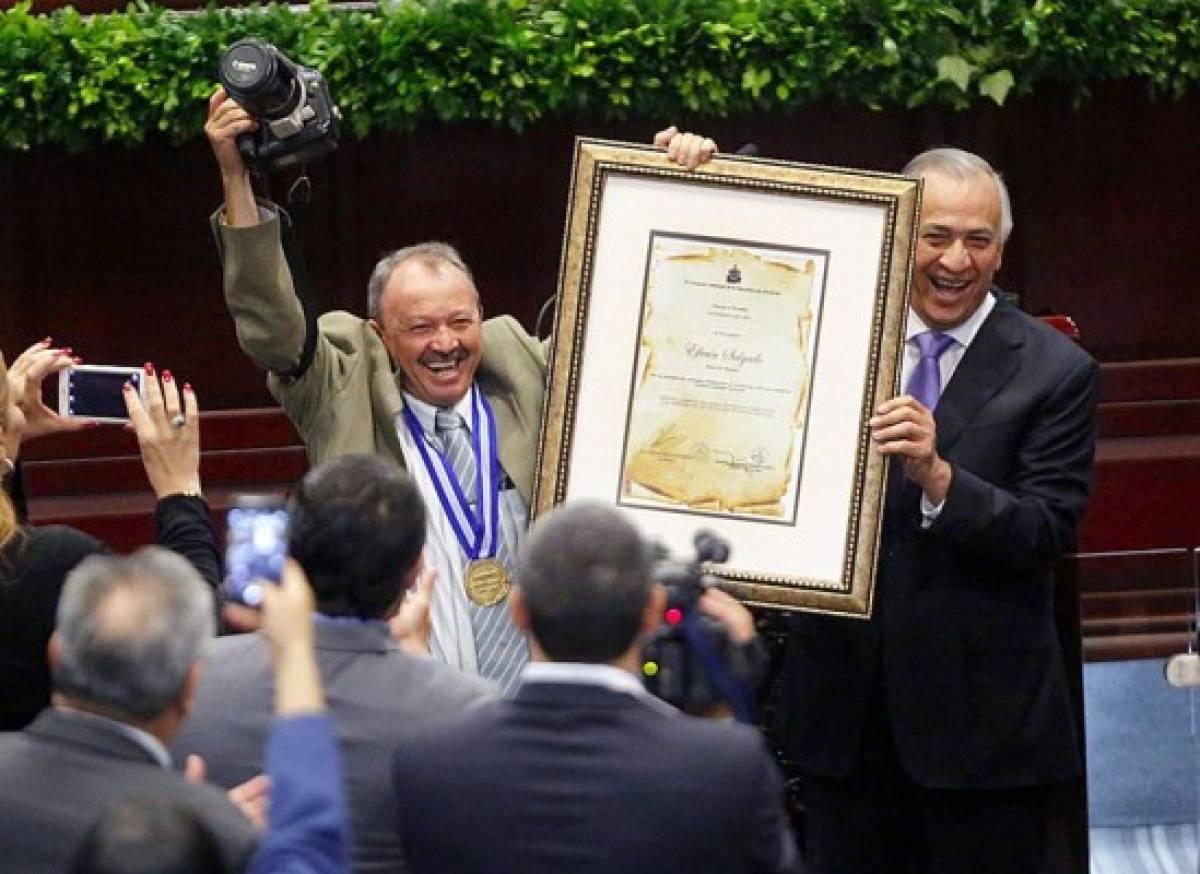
{"type": "Point", "coordinates": [454, 356]}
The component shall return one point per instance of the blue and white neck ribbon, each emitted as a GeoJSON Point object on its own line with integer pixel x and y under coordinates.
{"type": "Point", "coordinates": [478, 532]}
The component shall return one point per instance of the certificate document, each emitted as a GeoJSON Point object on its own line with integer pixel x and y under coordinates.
{"type": "Point", "coordinates": [721, 385]}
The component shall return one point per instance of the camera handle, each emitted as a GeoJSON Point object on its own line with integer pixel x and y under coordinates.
{"type": "Point", "coordinates": [291, 221]}
{"type": "Point", "coordinates": [723, 679]}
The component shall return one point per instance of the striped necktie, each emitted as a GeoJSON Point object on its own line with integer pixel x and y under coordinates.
{"type": "Point", "coordinates": [500, 648]}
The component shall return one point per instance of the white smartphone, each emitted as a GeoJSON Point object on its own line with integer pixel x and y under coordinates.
{"type": "Point", "coordinates": [94, 391]}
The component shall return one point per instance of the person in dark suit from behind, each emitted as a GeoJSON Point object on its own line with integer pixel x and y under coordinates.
{"type": "Point", "coordinates": [583, 770]}
{"type": "Point", "coordinates": [308, 827]}
{"type": "Point", "coordinates": [124, 657]}
{"type": "Point", "coordinates": [356, 528]}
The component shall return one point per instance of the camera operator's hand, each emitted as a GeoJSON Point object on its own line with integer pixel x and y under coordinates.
{"type": "Point", "coordinates": [226, 121]}
{"type": "Point", "coordinates": [168, 434]}
{"type": "Point", "coordinates": [729, 612]}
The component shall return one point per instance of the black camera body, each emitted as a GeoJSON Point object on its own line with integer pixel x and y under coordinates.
{"type": "Point", "coordinates": [297, 118]}
{"type": "Point", "coordinates": [674, 660]}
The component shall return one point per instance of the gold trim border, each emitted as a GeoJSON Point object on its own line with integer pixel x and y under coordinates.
{"type": "Point", "coordinates": [593, 162]}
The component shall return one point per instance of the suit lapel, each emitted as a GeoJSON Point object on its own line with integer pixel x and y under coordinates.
{"type": "Point", "coordinates": [512, 434]}
{"type": "Point", "coordinates": [985, 368]}
{"type": "Point", "coordinates": [386, 399]}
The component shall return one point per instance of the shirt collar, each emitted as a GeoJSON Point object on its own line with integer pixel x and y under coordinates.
{"type": "Point", "coordinates": [588, 674]}
{"type": "Point", "coordinates": [148, 742]}
{"type": "Point", "coordinates": [964, 332]}
{"type": "Point", "coordinates": [426, 412]}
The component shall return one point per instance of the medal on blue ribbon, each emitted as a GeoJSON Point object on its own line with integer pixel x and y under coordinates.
{"type": "Point", "coordinates": [478, 530]}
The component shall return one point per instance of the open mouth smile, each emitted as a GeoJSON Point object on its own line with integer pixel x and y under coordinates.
{"type": "Point", "coordinates": [949, 286]}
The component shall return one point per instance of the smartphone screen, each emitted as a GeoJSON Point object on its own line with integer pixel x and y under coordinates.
{"type": "Point", "coordinates": [96, 392]}
{"type": "Point", "coordinates": [255, 546]}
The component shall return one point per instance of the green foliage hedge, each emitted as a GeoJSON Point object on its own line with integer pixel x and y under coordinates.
{"type": "Point", "coordinates": [77, 80]}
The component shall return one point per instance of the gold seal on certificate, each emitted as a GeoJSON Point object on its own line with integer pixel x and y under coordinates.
{"type": "Point", "coordinates": [721, 388]}
{"type": "Point", "coordinates": [487, 582]}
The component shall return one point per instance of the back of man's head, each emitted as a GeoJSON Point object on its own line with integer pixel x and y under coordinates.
{"type": "Point", "coordinates": [357, 528]}
{"type": "Point", "coordinates": [148, 836]}
{"type": "Point", "coordinates": [129, 630]}
{"type": "Point", "coordinates": [585, 581]}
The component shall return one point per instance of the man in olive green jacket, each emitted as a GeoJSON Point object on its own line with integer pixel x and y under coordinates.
{"type": "Point", "coordinates": [383, 384]}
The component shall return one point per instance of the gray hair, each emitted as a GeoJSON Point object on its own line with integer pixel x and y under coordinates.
{"type": "Point", "coordinates": [961, 164]}
{"type": "Point", "coordinates": [585, 578]}
{"type": "Point", "coordinates": [130, 629]}
{"type": "Point", "coordinates": [431, 255]}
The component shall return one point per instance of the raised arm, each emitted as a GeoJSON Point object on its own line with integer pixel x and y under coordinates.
{"type": "Point", "coordinates": [168, 433]}
{"type": "Point", "coordinates": [308, 831]}
{"type": "Point", "coordinates": [226, 121]}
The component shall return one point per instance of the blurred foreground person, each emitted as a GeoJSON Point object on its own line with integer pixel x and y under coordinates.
{"type": "Point", "coordinates": [307, 831]}
{"type": "Point", "coordinates": [124, 657]}
{"type": "Point", "coordinates": [585, 771]}
{"type": "Point", "coordinates": [357, 528]}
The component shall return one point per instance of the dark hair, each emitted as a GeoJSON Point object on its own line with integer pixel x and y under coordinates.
{"type": "Point", "coordinates": [357, 528]}
{"type": "Point", "coordinates": [585, 578]}
{"type": "Point", "coordinates": [148, 836]}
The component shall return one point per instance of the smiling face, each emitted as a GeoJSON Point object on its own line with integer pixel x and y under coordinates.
{"type": "Point", "coordinates": [959, 248]}
{"type": "Point", "coordinates": [429, 319]}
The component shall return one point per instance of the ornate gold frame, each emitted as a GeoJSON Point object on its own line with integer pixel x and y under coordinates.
{"type": "Point", "coordinates": [891, 201]}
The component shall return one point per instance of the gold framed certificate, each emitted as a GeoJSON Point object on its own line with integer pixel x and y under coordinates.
{"type": "Point", "coordinates": [721, 338]}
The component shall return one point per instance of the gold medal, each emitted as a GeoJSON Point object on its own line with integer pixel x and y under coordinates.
{"type": "Point", "coordinates": [487, 582]}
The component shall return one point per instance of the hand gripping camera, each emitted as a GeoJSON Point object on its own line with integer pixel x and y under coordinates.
{"type": "Point", "coordinates": [690, 661]}
{"type": "Point", "coordinates": [297, 118]}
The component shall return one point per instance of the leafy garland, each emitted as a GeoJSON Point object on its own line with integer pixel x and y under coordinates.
{"type": "Point", "coordinates": [77, 80]}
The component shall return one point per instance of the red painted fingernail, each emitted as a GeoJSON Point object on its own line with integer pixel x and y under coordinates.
{"type": "Point", "coordinates": [77, 360]}
{"type": "Point", "coordinates": [128, 386]}
{"type": "Point", "coordinates": [47, 341]}
{"type": "Point", "coordinates": [187, 386]}
{"type": "Point", "coordinates": [149, 368]}
{"type": "Point", "coordinates": [166, 376]}
{"type": "Point", "coordinates": [67, 350]}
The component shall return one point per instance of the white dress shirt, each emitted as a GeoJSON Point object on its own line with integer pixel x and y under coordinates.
{"type": "Point", "coordinates": [451, 637]}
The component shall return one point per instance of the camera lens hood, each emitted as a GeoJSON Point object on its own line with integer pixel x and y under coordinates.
{"type": "Point", "coordinates": [258, 77]}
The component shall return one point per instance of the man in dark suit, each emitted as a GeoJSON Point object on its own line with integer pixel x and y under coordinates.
{"type": "Point", "coordinates": [584, 771]}
{"type": "Point", "coordinates": [124, 659]}
{"type": "Point", "coordinates": [357, 528]}
{"type": "Point", "coordinates": [929, 736]}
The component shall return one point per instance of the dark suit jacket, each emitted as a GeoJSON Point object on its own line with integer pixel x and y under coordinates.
{"type": "Point", "coordinates": [963, 624]}
{"type": "Point", "coordinates": [59, 774]}
{"type": "Point", "coordinates": [580, 778]}
{"type": "Point", "coordinates": [374, 691]}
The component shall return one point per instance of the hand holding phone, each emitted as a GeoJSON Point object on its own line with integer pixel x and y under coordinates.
{"type": "Point", "coordinates": [255, 546]}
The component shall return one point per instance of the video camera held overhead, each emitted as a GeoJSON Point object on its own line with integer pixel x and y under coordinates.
{"type": "Point", "coordinates": [297, 118]}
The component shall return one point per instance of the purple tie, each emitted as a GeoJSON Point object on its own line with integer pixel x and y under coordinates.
{"type": "Point", "coordinates": [925, 384]}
